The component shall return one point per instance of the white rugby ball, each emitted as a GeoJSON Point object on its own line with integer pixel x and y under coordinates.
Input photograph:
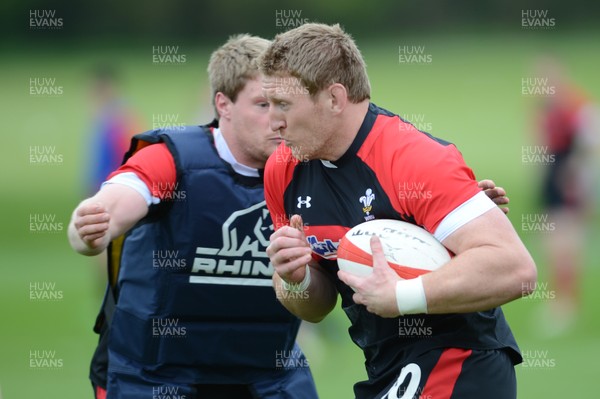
{"type": "Point", "coordinates": [409, 249]}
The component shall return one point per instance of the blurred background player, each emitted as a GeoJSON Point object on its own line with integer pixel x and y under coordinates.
{"type": "Point", "coordinates": [567, 127]}
{"type": "Point", "coordinates": [114, 123]}
{"type": "Point", "coordinates": [190, 311]}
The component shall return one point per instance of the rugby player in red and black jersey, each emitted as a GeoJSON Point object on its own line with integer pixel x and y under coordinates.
{"type": "Point", "coordinates": [341, 151]}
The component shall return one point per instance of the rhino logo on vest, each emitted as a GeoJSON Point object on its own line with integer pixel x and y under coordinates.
{"type": "Point", "coordinates": [245, 238]}
{"type": "Point", "coordinates": [247, 230]}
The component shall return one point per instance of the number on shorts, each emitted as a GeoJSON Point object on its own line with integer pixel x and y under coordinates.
{"type": "Point", "coordinates": [412, 371]}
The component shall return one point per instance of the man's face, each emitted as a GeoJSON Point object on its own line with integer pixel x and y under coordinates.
{"type": "Point", "coordinates": [299, 119]}
{"type": "Point", "coordinates": [250, 122]}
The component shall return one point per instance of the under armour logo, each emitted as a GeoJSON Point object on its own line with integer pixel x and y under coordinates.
{"type": "Point", "coordinates": [305, 202]}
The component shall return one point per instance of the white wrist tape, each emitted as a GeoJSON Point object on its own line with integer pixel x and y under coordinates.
{"type": "Point", "coordinates": [410, 296]}
{"type": "Point", "coordinates": [298, 287]}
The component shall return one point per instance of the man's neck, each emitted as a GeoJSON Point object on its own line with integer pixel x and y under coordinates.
{"type": "Point", "coordinates": [227, 155]}
{"type": "Point", "coordinates": [348, 129]}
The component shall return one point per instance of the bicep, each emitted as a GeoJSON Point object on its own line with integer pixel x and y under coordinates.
{"type": "Point", "coordinates": [491, 228]}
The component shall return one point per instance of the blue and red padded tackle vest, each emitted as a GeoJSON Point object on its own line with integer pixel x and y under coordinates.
{"type": "Point", "coordinates": [195, 297]}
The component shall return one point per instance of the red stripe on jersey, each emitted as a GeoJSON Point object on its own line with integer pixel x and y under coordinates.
{"type": "Point", "coordinates": [423, 178]}
{"type": "Point", "coordinates": [444, 375]}
{"type": "Point", "coordinates": [276, 182]}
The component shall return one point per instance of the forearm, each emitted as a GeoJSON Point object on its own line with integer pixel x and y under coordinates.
{"type": "Point", "coordinates": [98, 220]}
{"type": "Point", "coordinates": [314, 303]}
{"type": "Point", "coordinates": [479, 279]}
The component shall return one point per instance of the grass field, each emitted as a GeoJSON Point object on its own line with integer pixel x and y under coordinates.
{"type": "Point", "coordinates": [470, 93]}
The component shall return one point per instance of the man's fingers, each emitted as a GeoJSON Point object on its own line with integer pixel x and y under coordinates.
{"type": "Point", "coordinates": [91, 238]}
{"type": "Point", "coordinates": [288, 232]}
{"type": "Point", "coordinates": [349, 279]}
{"type": "Point", "coordinates": [378, 254]}
{"type": "Point", "coordinates": [90, 209]}
{"type": "Point", "coordinates": [282, 243]}
{"type": "Point", "coordinates": [293, 270]}
{"type": "Point", "coordinates": [486, 184]}
{"type": "Point", "coordinates": [89, 220]}
{"type": "Point", "coordinates": [92, 229]}
{"type": "Point", "coordinates": [497, 192]}
{"type": "Point", "coordinates": [296, 223]}
{"type": "Point", "coordinates": [286, 255]}
{"type": "Point", "coordinates": [358, 299]}
{"type": "Point", "coordinates": [501, 200]}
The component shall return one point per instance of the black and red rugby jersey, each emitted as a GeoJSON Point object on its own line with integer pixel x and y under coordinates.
{"type": "Point", "coordinates": [393, 171]}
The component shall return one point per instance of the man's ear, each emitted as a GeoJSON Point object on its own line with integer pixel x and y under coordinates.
{"type": "Point", "coordinates": [338, 97]}
{"type": "Point", "coordinates": [223, 105]}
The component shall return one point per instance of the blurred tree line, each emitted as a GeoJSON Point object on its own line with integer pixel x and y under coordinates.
{"type": "Point", "coordinates": [199, 20]}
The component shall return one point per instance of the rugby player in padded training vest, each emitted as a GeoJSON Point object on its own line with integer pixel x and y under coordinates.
{"type": "Point", "coordinates": [186, 227]}
{"type": "Point", "coordinates": [442, 335]}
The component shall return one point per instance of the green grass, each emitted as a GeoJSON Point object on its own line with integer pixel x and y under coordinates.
{"type": "Point", "coordinates": [470, 94]}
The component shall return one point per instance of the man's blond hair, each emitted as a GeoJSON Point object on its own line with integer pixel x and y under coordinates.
{"type": "Point", "coordinates": [319, 55]}
{"type": "Point", "coordinates": [233, 64]}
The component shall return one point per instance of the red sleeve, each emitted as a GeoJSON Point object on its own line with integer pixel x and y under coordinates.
{"type": "Point", "coordinates": [278, 174]}
{"type": "Point", "coordinates": [427, 179]}
{"type": "Point", "coordinates": [155, 166]}
{"type": "Point", "coordinates": [442, 182]}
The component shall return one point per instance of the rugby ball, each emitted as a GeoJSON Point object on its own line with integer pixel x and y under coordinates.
{"type": "Point", "coordinates": [410, 250]}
